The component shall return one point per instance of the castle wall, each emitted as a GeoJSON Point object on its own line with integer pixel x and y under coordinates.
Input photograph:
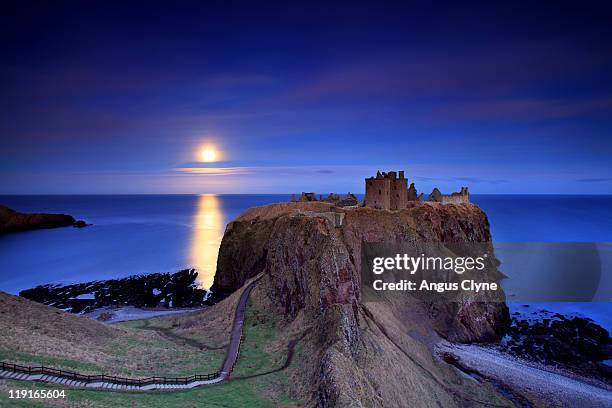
{"type": "Point", "coordinates": [461, 197]}
{"type": "Point", "coordinates": [389, 191]}
{"type": "Point", "coordinates": [455, 199]}
{"type": "Point", "coordinates": [398, 193]}
{"type": "Point", "coordinates": [412, 193]}
{"type": "Point", "coordinates": [377, 193]}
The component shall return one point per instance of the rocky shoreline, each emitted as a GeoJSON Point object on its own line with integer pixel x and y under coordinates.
{"type": "Point", "coordinates": [13, 221]}
{"type": "Point", "coordinates": [544, 359]}
{"type": "Point", "coordinates": [525, 383]}
{"type": "Point", "coordinates": [572, 343]}
{"type": "Point", "coordinates": [169, 290]}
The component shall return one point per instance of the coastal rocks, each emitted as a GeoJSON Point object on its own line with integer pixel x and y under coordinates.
{"type": "Point", "coordinates": [13, 221]}
{"type": "Point", "coordinates": [157, 289]}
{"type": "Point", "coordinates": [575, 343]}
{"type": "Point", "coordinates": [360, 353]}
{"type": "Point", "coordinates": [80, 224]}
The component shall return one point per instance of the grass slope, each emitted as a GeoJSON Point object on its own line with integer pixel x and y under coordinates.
{"type": "Point", "coordinates": [176, 345]}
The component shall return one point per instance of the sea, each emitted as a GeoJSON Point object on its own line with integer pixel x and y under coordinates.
{"type": "Point", "coordinates": [140, 234]}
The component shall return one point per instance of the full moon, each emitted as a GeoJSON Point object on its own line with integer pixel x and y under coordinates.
{"type": "Point", "coordinates": [208, 155]}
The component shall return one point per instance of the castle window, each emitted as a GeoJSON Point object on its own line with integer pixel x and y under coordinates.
{"type": "Point", "coordinates": [395, 187]}
{"type": "Point", "coordinates": [379, 192]}
{"type": "Point", "coordinates": [398, 195]}
{"type": "Point", "coordinates": [370, 183]}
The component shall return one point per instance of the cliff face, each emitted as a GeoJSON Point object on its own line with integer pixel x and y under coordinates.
{"type": "Point", "coordinates": [360, 353]}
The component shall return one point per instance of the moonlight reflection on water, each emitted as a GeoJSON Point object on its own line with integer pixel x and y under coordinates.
{"type": "Point", "coordinates": [207, 234]}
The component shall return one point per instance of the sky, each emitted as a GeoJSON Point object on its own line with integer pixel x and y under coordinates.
{"type": "Point", "coordinates": [121, 97]}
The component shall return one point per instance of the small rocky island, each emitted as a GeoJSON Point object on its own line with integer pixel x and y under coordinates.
{"type": "Point", "coordinates": [13, 221]}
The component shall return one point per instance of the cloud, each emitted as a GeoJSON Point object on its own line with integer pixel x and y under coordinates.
{"type": "Point", "coordinates": [594, 180]}
{"type": "Point", "coordinates": [428, 179]}
{"type": "Point", "coordinates": [521, 109]}
{"type": "Point", "coordinates": [213, 171]}
{"type": "Point", "coordinates": [477, 180]}
{"type": "Point", "coordinates": [477, 73]}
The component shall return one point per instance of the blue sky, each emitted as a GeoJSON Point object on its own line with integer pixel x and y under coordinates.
{"type": "Point", "coordinates": [102, 97]}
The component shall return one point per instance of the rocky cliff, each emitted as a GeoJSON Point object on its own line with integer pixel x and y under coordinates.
{"type": "Point", "coordinates": [360, 353]}
{"type": "Point", "coordinates": [13, 221]}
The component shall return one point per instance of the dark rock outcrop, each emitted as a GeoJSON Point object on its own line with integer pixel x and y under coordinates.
{"type": "Point", "coordinates": [575, 343]}
{"type": "Point", "coordinates": [158, 289]}
{"type": "Point", "coordinates": [13, 221]}
{"type": "Point", "coordinates": [359, 352]}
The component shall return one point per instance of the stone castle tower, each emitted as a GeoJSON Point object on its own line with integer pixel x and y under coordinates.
{"type": "Point", "coordinates": [387, 191]}
{"type": "Point", "coordinates": [390, 191]}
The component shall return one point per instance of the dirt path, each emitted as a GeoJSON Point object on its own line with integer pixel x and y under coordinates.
{"type": "Point", "coordinates": [236, 336]}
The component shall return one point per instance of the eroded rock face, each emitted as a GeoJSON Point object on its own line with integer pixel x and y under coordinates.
{"type": "Point", "coordinates": [13, 221]}
{"type": "Point", "coordinates": [312, 268]}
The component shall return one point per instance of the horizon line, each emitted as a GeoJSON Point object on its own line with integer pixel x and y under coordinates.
{"type": "Point", "coordinates": [278, 194]}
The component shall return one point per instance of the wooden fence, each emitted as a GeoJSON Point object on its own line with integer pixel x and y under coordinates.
{"type": "Point", "coordinates": [71, 375]}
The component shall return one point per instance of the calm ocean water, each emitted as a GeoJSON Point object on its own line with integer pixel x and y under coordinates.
{"type": "Point", "coordinates": [164, 233]}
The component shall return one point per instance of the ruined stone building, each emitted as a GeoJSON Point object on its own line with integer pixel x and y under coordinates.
{"type": "Point", "coordinates": [350, 200]}
{"type": "Point", "coordinates": [387, 191]}
{"type": "Point", "coordinates": [308, 197]}
{"type": "Point", "coordinates": [390, 191]}
{"type": "Point", "coordinates": [461, 197]}
{"type": "Point", "coordinates": [412, 193]}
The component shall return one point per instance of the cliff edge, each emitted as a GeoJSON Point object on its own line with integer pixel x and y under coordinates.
{"type": "Point", "coordinates": [357, 353]}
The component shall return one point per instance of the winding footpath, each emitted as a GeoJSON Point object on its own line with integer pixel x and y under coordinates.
{"type": "Point", "coordinates": [231, 358]}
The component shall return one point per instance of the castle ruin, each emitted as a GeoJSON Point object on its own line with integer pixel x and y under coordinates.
{"type": "Point", "coordinates": [350, 200]}
{"type": "Point", "coordinates": [387, 191]}
{"type": "Point", "coordinates": [461, 197]}
{"type": "Point", "coordinates": [390, 191]}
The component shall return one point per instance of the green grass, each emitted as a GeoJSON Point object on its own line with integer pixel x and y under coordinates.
{"type": "Point", "coordinates": [54, 362]}
{"type": "Point", "coordinates": [246, 389]}
{"type": "Point", "coordinates": [231, 394]}
{"type": "Point", "coordinates": [132, 356]}
{"type": "Point", "coordinates": [168, 360]}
